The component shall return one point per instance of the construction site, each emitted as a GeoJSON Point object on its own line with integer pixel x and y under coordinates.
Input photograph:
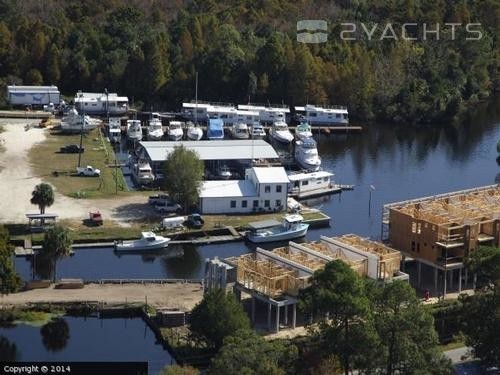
{"type": "Point", "coordinates": [441, 231]}
{"type": "Point", "coordinates": [275, 277]}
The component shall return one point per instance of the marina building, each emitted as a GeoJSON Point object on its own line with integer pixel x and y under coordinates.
{"type": "Point", "coordinates": [441, 231]}
{"type": "Point", "coordinates": [101, 103]}
{"type": "Point", "coordinates": [323, 115]}
{"type": "Point", "coordinates": [33, 95]}
{"type": "Point", "coordinates": [275, 277]}
{"type": "Point", "coordinates": [263, 189]}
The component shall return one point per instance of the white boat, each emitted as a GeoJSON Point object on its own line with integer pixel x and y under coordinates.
{"type": "Point", "coordinates": [257, 131]}
{"type": "Point", "coordinates": [155, 129]}
{"type": "Point", "coordinates": [280, 132]}
{"type": "Point", "coordinates": [114, 130]}
{"type": "Point", "coordinates": [303, 131]}
{"type": "Point", "coordinates": [175, 132]}
{"type": "Point", "coordinates": [311, 184]}
{"type": "Point", "coordinates": [306, 154]}
{"type": "Point", "coordinates": [328, 115]}
{"type": "Point", "coordinates": [239, 131]}
{"type": "Point", "coordinates": [134, 130]}
{"type": "Point", "coordinates": [101, 103]}
{"type": "Point", "coordinates": [73, 122]}
{"type": "Point", "coordinates": [224, 173]}
{"type": "Point", "coordinates": [142, 173]}
{"type": "Point", "coordinates": [148, 241]}
{"type": "Point", "coordinates": [194, 132]}
{"type": "Point", "coordinates": [273, 231]}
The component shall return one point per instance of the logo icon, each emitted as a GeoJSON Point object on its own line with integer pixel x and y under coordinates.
{"type": "Point", "coordinates": [312, 31]}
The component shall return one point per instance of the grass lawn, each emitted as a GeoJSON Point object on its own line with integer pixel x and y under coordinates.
{"type": "Point", "coordinates": [45, 159]}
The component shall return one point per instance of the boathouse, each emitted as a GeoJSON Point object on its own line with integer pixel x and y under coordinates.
{"type": "Point", "coordinates": [33, 95]}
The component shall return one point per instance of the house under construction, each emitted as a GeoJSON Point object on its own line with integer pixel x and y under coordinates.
{"type": "Point", "coordinates": [440, 231]}
{"type": "Point", "coordinates": [275, 277]}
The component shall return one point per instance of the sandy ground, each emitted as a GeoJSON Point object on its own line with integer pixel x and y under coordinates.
{"type": "Point", "coordinates": [17, 182]}
{"type": "Point", "coordinates": [182, 296]}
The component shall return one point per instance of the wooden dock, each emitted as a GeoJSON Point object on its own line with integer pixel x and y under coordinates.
{"type": "Point", "coordinates": [25, 114]}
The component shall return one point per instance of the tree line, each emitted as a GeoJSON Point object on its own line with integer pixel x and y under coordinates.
{"type": "Point", "coordinates": [247, 52]}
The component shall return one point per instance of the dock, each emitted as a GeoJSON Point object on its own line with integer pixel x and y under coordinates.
{"type": "Point", "coordinates": [26, 114]}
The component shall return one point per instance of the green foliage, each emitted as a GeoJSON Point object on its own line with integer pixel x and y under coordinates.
{"type": "Point", "coordinates": [481, 317]}
{"type": "Point", "coordinates": [183, 175]}
{"type": "Point", "coordinates": [179, 370]}
{"type": "Point", "coordinates": [151, 52]}
{"type": "Point", "coordinates": [57, 244]}
{"type": "Point", "coordinates": [10, 281]}
{"type": "Point", "coordinates": [247, 353]}
{"type": "Point", "coordinates": [217, 316]}
{"type": "Point", "coordinates": [42, 196]}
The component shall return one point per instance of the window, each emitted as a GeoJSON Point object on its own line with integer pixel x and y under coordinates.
{"type": "Point", "coordinates": [412, 245]}
{"type": "Point", "coordinates": [267, 203]}
{"type": "Point", "coordinates": [304, 183]}
{"type": "Point", "coordinates": [418, 247]}
{"type": "Point", "coordinates": [267, 189]}
{"type": "Point", "coordinates": [414, 227]}
{"type": "Point", "coordinates": [313, 114]}
{"type": "Point", "coordinates": [338, 115]}
{"type": "Point", "coordinates": [244, 204]}
{"type": "Point", "coordinates": [419, 228]}
{"type": "Point", "coordinates": [255, 203]}
{"type": "Point", "coordinates": [325, 179]}
{"type": "Point", "coordinates": [278, 188]}
{"type": "Point", "coordinates": [233, 204]}
{"type": "Point", "coordinates": [278, 202]}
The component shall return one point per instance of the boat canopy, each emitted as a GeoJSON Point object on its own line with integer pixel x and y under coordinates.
{"type": "Point", "coordinates": [148, 235]}
{"type": "Point", "coordinates": [293, 218]}
{"type": "Point", "coordinates": [256, 225]}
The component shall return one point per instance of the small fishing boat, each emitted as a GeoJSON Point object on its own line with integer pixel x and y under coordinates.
{"type": "Point", "coordinates": [274, 231]}
{"type": "Point", "coordinates": [240, 131]}
{"type": "Point", "coordinates": [73, 122]}
{"type": "Point", "coordinates": [175, 132]}
{"type": "Point", "coordinates": [306, 154]}
{"type": "Point", "coordinates": [257, 131]}
{"type": "Point", "coordinates": [148, 242]}
{"type": "Point", "coordinates": [303, 131]}
{"type": "Point", "coordinates": [114, 130]}
{"type": "Point", "coordinates": [194, 132]}
{"type": "Point", "coordinates": [134, 130]}
{"type": "Point", "coordinates": [155, 129]}
{"type": "Point", "coordinates": [280, 132]}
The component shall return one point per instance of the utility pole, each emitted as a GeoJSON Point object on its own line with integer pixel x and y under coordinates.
{"type": "Point", "coordinates": [81, 131]}
{"type": "Point", "coordinates": [370, 199]}
{"type": "Point", "coordinates": [196, 100]}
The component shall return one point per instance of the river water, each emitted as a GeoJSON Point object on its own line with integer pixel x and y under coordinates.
{"type": "Point", "coordinates": [399, 161]}
{"type": "Point", "coordinates": [85, 339]}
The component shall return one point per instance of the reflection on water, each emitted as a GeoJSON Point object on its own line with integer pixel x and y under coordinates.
{"type": "Point", "coordinates": [400, 161]}
{"type": "Point", "coordinates": [84, 339]}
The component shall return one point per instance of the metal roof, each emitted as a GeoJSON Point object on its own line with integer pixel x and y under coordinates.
{"type": "Point", "coordinates": [263, 224]}
{"type": "Point", "coordinates": [227, 189]}
{"type": "Point", "coordinates": [41, 216]}
{"type": "Point", "coordinates": [213, 150]}
{"type": "Point", "coordinates": [275, 175]}
{"type": "Point", "coordinates": [33, 89]}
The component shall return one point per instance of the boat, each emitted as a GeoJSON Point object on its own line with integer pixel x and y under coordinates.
{"type": "Point", "coordinates": [303, 131]}
{"type": "Point", "coordinates": [224, 173]}
{"type": "Point", "coordinates": [148, 242]}
{"type": "Point", "coordinates": [279, 132]}
{"type": "Point", "coordinates": [306, 154]}
{"type": "Point", "coordinates": [215, 129]}
{"type": "Point", "coordinates": [155, 128]}
{"type": "Point", "coordinates": [323, 115]}
{"type": "Point", "coordinates": [101, 103]}
{"type": "Point", "coordinates": [194, 132]}
{"type": "Point", "coordinates": [257, 131]}
{"type": "Point", "coordinates": [239, 131]}
{"type": "Point", "coordinates": [267, 114]}
{"type": "Point", "coordinates": [175, 132]}
{"type": "Point", "coordinates": [114, 130]}
{"type": "Point", "coordinates": [273, 231]}
{"type": "Point", "coordinates": [134, 130]}
{"type": "Point", "coordinates": [73, 122]}
{"type": "Point", "coordinates": [312, 184]}
{"type": "Point", "coordinates": [142, 173]}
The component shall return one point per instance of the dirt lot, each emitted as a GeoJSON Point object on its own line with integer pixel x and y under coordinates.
{"type": "Point", "coordinates": [182, 296]}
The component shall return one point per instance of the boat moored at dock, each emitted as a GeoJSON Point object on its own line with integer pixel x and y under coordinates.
{"type": "Point", "coordinates": [325, 115]}
{"type": "Point", "coordinates": [148, 242]}
{"type": "Point", "coordinates": [313, 184]}
{"type": "Point", "coordinates": [240, 131]}
{"type": "Point", "coordinates": [114, 130]}
{"type": "Point", "coordinates": [273, 231]}
{"type": "Point", "coordinates": [194, 132]}
{"type": "Point", "coordinates": [280, 133]}
{"type": "Point", "coordinates": [303, 131]}
{"type": "Point", "coordinates": [175, 132]}
{"type": "Point", "coordinates": [134, 130]}
{"type": "Point", "coordinates": [155, 128]}
{"type": "Point", "coordinates": [306, 154]}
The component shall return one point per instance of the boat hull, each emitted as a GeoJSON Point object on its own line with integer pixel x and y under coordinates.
{"type": "Point", "coordinates": [175, 137]}
{"type": "Point", "coordinates": [307, 166]}
{"type": "Point", "coordinates": [195, 135]}
{"type": "Point", "coordinates": [281, 139]}
{"type": "Point", "coordinates": [138, 245]}
{"type": "Point", "coordinates": [277, 237]}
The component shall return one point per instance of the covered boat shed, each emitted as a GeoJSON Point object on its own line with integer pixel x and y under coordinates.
{"type": "Point", "coordinates": [157, 152]}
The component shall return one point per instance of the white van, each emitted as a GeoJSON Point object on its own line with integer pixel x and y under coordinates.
{"type": "Point", "coordinates": [173, 222]}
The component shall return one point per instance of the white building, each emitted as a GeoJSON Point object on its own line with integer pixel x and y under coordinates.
{"type": "Point", "coordinates": [101, 103]}
{"type": "Point", "coordinates": [263, 189]}
{"type": "Point", "coordinates": [268, 114]}
{"type": "Point", "coordinates": [328, 115]}
{"type": "Point", "coordinates": [33, 95]}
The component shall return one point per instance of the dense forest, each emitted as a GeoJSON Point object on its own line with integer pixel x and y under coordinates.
{"type": "Point", "coordinates": [246, 50]}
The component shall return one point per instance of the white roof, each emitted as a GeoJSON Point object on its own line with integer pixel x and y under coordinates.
{"type": "Point", "coordinates": [147, 234]}
{"type": "Point", "coordinates": [326, 109]}
{"type": "Point", "coordinates": [194, 105]}
{"type": "Point", "coordinates": [308, 176]}
{"type": "Point", "coordinates": [247, 113]}
{"type": "Point", "coordinates": [94, 96]}
{"type": "Point", "coordinates": [273, 175]}
{"type": "Point", "coordinates": [213, 150]}
{"type": "Point", "coordinates": [227, 188]}
{"type": "Point", "coordinates": [33, 89]}
{"type": "Point", "coordinates": [250, 107]}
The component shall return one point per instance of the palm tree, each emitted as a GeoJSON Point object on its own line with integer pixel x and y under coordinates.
{"type": "Point", "coordinates": [42, 196]}
{"type": "Point", "coordinates": [57, 244]}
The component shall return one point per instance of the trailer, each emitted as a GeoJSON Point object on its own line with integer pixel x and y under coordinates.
{"type": "Point", "coordinates": [33, 95]}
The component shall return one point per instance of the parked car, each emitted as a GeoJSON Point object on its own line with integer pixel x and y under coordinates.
{"type": "Point", "coordinates": [168, 206]}
{"type": "Point", "coordinates": [195, 221]}
{"type": "Point", "coordinates": [158, 198]}
{"type": "Point", "coordinates": [88, 171]}
{"type": "Point", "coordinates": [72, 149]}
{"type": "Point", "coordinates": [172, 222]}
{"type": "Point", "coordinates": [95, 217]}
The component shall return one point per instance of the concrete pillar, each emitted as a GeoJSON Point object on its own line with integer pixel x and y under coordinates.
{"type": "Point", "coordinates": [419, 272]}
{"type": "Point", "coordinates": [294, 315]}
{"type": "Point", "coordinates": [435, 280]}
{"type": "Point", "coordinates": [277, 319]}
{"type": "Point", "coordinates": [286, 315]}
{"type": "Point", "coordinates": [253, 309]}
{"type": "Point", "coordinates": [459, 280]}
{"type": "Point", "coordinates": [444, 282]}
{"type": "Point", "coordinates": [269, 316]}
